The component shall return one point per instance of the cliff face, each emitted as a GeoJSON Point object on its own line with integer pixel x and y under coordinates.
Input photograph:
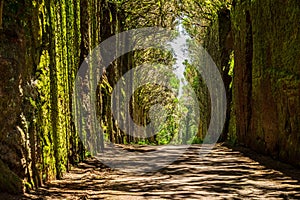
{"type": "Point", "coordinates": [42, 45]}
{"type": "Point", "coordinates": [34, 145]}
{"type": "Point", "coordinates": [267, 76]}
{"type": "Point", "coordinates": [44, 42]}
{"type": "Point", "coordinates": [11, 139]}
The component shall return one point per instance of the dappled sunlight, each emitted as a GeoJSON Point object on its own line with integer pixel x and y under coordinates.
{"type": "Point", "coordinates": [224, 173]}
{"type": "Point", "coordinates": [156, 99]}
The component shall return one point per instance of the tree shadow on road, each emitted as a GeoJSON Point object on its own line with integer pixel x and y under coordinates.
{"type": "Point", "coordinates": [225, 173]}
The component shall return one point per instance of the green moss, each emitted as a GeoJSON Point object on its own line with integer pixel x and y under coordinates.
{"type": "Point", "coordinates": [275, 75]}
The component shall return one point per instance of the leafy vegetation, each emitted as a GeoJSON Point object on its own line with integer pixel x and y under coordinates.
{"type": "Point", "coordinates": [44, 43]}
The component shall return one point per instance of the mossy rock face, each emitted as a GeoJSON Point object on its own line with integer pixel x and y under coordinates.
{"type": "Point", "coordinates": [13, 76]}
{"type": "Point", "coordinates": [267, 76]}
{"type": "Point", "coordinates": [9, 181]}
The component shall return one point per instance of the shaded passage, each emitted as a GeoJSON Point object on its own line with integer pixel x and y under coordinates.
{"type": "Point", "coordinates": [224, 173]}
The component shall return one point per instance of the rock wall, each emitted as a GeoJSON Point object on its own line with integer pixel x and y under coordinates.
{"type": "Point", "coordinates": [14, 77]}
{"type": "Point", "coordinates": [39, 56]}
{"type": "Point", "coordinates": [267, 76]}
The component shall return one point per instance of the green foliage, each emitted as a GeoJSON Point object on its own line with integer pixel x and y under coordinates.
{"type": "Point", "coordinates": [88, 154]}
{"type": "Point", "coordinates": [58, 35]}
{"type": "Point", "coordinates": [198, 16]}
{"type": "Point", "coordinates": [195, 140]}
{"type": "Point", "coordinates": [231, 67]}
{"type": "Point", "coordinates": [48, 31]}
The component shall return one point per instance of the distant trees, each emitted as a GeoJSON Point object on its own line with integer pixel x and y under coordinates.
{"type": "Point", "coordinates": [54, 38]}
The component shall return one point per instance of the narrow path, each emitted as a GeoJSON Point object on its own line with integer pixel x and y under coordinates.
{"type": "Point", "coordinates": [224, 174]}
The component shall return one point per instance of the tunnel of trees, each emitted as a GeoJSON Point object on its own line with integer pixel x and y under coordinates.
{"type": "Point", "coordinates": [255, 45]}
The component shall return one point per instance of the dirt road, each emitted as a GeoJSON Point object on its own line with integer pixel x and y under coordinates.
{"type": "Point", "coordinates": [223, 174]}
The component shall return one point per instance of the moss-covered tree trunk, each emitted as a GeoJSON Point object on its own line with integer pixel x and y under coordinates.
{"type": "Point", "coordinates": [40, 55]}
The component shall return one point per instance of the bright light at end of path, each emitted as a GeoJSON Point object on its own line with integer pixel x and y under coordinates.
{"type": "Point", "coordinates": [91, 71]}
